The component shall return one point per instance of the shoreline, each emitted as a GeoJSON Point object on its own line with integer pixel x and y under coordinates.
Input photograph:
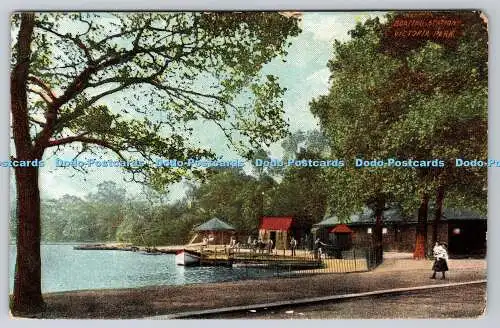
{"type": "Point", "coordinates": [150, 301]}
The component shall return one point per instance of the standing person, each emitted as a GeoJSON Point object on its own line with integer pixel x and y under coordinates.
{"type": "Point", "coordinates": [249, 241]}
{"type": "Point", "coordinates": [255, 245]}
{"type": "Point", "coordinates": [440, 260]}
{"type": "Point", "coordinates": [261, 245]}
{"type": "Point", "coordinates": [270, 245]}
{"type": "Point", "coordinates": [317, 248]}
{"type": "Point", "coordinates": [293, 245]}
{"type": "Point", "coordinates": [232, 242]}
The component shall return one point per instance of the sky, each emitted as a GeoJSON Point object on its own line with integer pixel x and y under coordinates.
{"type": "Point", "coordinates": [304, 75]}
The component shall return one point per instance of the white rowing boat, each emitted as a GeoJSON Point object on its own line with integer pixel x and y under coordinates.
{"type": "Point", "coordinates": [186, 258]}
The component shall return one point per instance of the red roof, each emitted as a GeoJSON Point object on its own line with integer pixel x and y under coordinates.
{"type": "Point", "coordinates": [282, 223]}
{"type": "Point", "coordinates": [341, 228]}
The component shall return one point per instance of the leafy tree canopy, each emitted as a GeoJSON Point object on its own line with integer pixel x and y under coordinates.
{"type": "Point", "coordinates": [135, 83]}
{"type": "Point", "coordinates": [423, 102]}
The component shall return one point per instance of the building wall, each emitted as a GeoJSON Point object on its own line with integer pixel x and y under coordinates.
{"type": "Point", "coordinates": [360, 236]}
{"type": "Point", "coordinates": [281, 241]}
{"type": "Point", "coordinates": [397, 238]}
{"type": "Point", "coordinates": [471, 240]}
{"type": "Point", "coordinates": [467, 238]}
{"type": "Point", "coordinates": [441, 237]}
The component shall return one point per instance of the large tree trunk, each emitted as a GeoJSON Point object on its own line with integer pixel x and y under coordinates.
{"type": "Point", "coordinates": [438, 213]}
{"type": "Point", "coordinates": [421, 231]}
{"type": "Point", "coordinates": [377, 234]}
{"type": "Point", "coordinates": [27, 283]}
{"type": "Point", "coordinates": [378, 238]}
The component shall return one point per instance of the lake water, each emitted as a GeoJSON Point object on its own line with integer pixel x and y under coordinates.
{"type": "Point", "coordinates": [64, 269]}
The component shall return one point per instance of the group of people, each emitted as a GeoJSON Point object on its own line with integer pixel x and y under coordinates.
{"type": "Point", "coordinates": [260, 245]}
{"type": "Point", "coordinates": [234, 246]}
{"type": "Point", "coordinates": [207, 240]}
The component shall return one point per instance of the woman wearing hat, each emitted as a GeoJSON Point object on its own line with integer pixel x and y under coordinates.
{"type": "Point", "coordinates": [441, 259]}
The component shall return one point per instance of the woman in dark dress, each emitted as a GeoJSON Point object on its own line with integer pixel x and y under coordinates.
{"type": "Point", "coordinates": [440, 260]}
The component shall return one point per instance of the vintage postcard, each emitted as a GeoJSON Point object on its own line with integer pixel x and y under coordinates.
{"type": "Point", "coordinates": [248, 165]}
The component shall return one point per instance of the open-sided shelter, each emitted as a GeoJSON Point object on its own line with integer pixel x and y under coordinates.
{"type": "Point", "coordinates": [215, 230]}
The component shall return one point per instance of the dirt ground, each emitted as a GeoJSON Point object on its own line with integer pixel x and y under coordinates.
{"type": "Point", "coordinates": [160, 300]}
{"type": "Point", "coordinates": [450, 302]}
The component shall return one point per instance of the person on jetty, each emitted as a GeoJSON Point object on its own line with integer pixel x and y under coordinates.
{"type": "Point", "coordinates": [231, 248]}
{"type": "Point", "coordinates": [440, 260]}
{"type": "Point", "coordinates": [293, 245]}
{"type": "Point", "coordinates": [270, 245]}
{"type": "Point", "coordinates": [255, 245]}
{"type": "Point", "coordinates": [317, 248]}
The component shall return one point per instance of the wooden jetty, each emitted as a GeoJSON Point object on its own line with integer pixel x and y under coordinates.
{"type": "Point", "coordinates": [106, 247]}
{"type": "Point", "coordinates": [261, 260]}
{"type": "Point", "coordinates": [221, 255]}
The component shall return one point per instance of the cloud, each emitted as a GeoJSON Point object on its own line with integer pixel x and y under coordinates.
{"type": "Point", "coordinates": [320, 77]}
{"type": "Point", "coordinates": [330, 26]}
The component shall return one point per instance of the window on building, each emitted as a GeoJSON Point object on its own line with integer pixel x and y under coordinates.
{"type": "Point", "coordinates": [384, 231]}
{"type": "Point", "coordinates": [369, 230]}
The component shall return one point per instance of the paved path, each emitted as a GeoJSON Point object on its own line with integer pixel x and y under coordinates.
{"type": "Point", "coordinates": [266, 308]}
{"type": "Point", "coordinates": [463, 301]}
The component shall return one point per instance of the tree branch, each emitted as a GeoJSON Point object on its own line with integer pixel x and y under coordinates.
{"type": "Point", "coordinates": [75, 40]}
{"type": "Point", "coordinates": [40, 123]}
{"type": "Point", "coordinates": [37, 81]}
{"type": "Point", "coordinates": [87, 140]}
{"type": "Point", "coordinates": [74, 88]}
{"type": "Point", "coordinates": [42, 95]}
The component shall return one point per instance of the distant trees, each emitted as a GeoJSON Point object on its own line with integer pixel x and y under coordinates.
{"type": "Point", "coordinates": [236, 197]}
{"type": "Point", "coordinates": [302, 191]}
{"type": "Point", "coordinates": [94, 217]}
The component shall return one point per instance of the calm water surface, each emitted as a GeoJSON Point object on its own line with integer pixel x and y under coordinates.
{"type": "Point", "coordinates": [64, 268]}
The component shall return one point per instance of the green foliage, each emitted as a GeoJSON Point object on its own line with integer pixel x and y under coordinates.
{"type": "Point", "coordinates": [93, 218]}
{"type": "Point", "coordinates": [234, 197]}
{"type": "Point", "coordinates": [230, 194]}
{"type": "Point", "coordinates": [134, 83]}
{"type": "Point", "coordinates": [424, 101]}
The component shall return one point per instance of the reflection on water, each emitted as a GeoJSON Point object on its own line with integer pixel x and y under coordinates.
{"type": "Point", "coordinates": [66, 269]}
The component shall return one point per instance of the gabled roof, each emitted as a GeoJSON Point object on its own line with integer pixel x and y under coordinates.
{"type": "Point", "coordinates": [459, 214]}
{"type": "Point", "coordinates": [214, 224]}
{"type": "Point", "coordinates": [395, 215]}
{"type": "Point", "coordinates": [340, 228]}
{"type": "Point", "coordinates": [281, 223]}
{"type": "Point", "coordinates": [362, 217]}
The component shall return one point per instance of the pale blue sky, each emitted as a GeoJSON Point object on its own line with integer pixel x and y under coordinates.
{"type": "Point", "coordinates": [304, 74]}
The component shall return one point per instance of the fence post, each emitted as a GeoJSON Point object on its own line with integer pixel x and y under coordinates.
{"type": "Point", "coordinates": [368, 260]}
